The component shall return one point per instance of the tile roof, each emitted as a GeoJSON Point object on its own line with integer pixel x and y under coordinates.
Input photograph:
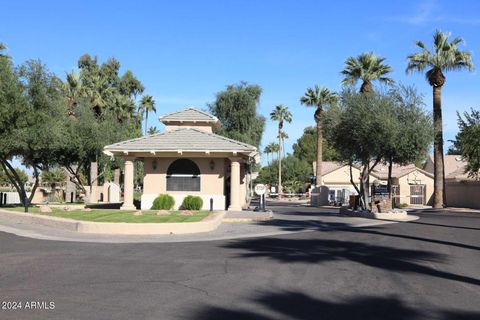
{"type": "Point", "coordinates": [330, 166]}
{"type": "Point", "coordinates": [182, 139]}
{"type": "Point", "coordinates": [380, 171]}
{"type": "Point", "coordinates": [189, 114]}
{"type": "Point", "coordinates": [454, 166]}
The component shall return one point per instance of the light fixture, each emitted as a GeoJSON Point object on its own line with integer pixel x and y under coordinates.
{"type": "Point", "coordinates": [212, 164]}
{"type": "Point", "coordinates": [154, 164]}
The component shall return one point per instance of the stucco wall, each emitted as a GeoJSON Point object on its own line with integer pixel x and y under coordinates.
{"type": "Point", "coordinates": [204, 127]}
{"type": "Point", "coordinates": [211, 182]}
{"type": "Point", "coordinates": [463, 194]}
{"type": "Point", "coordinates": [413, 178]}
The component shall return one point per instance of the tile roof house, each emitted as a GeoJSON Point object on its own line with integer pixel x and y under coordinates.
{"type": "Point", "coordinates": [454, 167]}
{"type": "Point", "coordinates": [414, 185]}
{"type": "Point", "coordinates": [461, 190]}
{"type": "Point", "coordinates": [188, 159]}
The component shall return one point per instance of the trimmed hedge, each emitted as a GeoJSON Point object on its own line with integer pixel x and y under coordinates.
{"type": "Point", "coordinates": [163, 202]}
{"type": "Point", "coordinates": [192, 203]}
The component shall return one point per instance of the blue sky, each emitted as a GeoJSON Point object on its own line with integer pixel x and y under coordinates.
{"type": "Point", "coordinates": [184, 51]}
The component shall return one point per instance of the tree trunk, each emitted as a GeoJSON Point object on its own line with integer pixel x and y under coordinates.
{"type": "Point", "coordinates": [279, 164]}
{"type": "Point", "coordinates": [319, 148]}
{"type": "Point", "coordinates": [17, 183]}
{"type": "Point", "coordinates": [389, 180]}
{"type": "Point", "coordinates": [353, 183]}
{"type": "Point", "coordinates": [366, 185]}
{"type": "Point", "coordinates": [438, 165]}
{"type": "Point", "coordinates": [146, 122]}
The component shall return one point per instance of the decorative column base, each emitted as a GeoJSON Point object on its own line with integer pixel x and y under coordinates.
{"type": "Point", "coordinates": [234, 208]}
{"type": "Point", "coordinates": [128, 207]}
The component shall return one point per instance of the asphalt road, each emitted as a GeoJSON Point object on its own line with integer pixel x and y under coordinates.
{"type": "Point", "coordinates": [425, 269]}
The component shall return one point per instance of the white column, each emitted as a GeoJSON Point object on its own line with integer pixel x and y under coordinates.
{"type": "Point", "coordinates": [128, 186]}
{"type": "Point", "coordinates": [235, 185]}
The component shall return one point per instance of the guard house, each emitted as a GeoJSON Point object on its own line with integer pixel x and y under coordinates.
{"type": "Point", "coordinates": [187, 159]}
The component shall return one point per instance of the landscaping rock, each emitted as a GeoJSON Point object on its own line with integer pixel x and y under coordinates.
{"type": "Point", "coordinates": [67, 208]}
{"type": "Point", "coordinates": [163, 213]}
{"type": "Point", "coordinates": [137, 213]}
{"type": "Point", "coordinates": [186, 213]}
{"type": "Point", "coordinates": [87, 210]}
{"type": "Point", "coordinates": [45, 209]}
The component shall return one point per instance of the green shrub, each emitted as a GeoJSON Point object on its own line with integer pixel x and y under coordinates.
{"type": "Point", "coordinates": [163, 202]}
{"type": "Point", "coordinates": [402, 205]}
{"type": "Point", "coordinates": [192, 203]}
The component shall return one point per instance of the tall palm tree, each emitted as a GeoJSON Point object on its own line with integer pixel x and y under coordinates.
{"type": "Point", "coordinates": [444, 57]}
{"type": "Point", "coordinates": [267, 150]}
{"type": "Point", "coordinates": [319, 98]}
{"type": "Point", "coordinates": [280, 114]}
{"type": "Point", "coordinates": [274, 147]}
{"type": "Point", "coordinates": [367, 67]}
{"type": "Point", "coordinates": [147, 104]}
{"type": "Point", "coordinates": [284, 137]}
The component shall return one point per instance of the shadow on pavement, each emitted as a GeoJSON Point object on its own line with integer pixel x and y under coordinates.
{"type": "Point", "coordinates": [298, 306]}
{"type": "Point", "coordinates": [322, 250]}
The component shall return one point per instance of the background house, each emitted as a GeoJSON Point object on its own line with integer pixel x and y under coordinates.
{"type": "Point", "coordinates": [462, 191]}
{"type": "Point", "coordinates": [412, 185]}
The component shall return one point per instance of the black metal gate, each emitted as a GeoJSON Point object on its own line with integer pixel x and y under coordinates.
{"type": "Point", "coordinates": [417, 194]}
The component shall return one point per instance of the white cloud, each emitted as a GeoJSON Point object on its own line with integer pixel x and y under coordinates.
{"type": "Point", "coordinates": [428, 11]}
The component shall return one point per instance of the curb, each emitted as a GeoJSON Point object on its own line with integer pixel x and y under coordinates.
{"type": "Point", "coordinates": [399, 216]}
{"type": "Point", "coordinates": [269, 216]}
{"type": "Point", "coordinates": [210, 223]}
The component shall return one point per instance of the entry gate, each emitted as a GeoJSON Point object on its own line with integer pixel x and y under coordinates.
{"type": "Point", "coordinates": [417, 194]}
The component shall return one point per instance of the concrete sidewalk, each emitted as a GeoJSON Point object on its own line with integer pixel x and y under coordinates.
{"type": "Point", "coordinates": [285, 221]}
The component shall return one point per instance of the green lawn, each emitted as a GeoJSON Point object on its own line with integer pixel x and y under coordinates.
{"type": "Point", "coordinates": [105, 215]}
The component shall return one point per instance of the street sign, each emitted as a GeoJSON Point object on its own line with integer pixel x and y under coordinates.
{"type": "Point", "coordinates": [260, 189]}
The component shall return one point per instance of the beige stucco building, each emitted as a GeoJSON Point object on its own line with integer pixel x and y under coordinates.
{"type": "Point", "coordinates": [414, 186]}
{"type": "Point", "coordinates": [188, 159]}
{"type": "Point", "coordinates": [462, 190]}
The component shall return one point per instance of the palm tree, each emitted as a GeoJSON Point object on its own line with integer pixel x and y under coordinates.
{"type": "Point", "coordinates": [71, 88]}
{"type": "Point", "coordinates": [319, 98]}
{"type": "Point", "coordinates": [55, 176]}
{"type": "Point", "coordinates": [99, 92]}
{"type": "Point", "coordinates": [366, 67]}
{"type": "Point", "coordinates": [280, 114]}
{"type": "Point", "coordinates": [267, 150]}
{"type": "Point", "coordinates": [284, 137]}
{"type": "Point", "coordinates": [444, 57]}
{"type": "Point", "coordinates": [274, 147]}
{"type": "Point", "coordinates": [153, 130]}
{"type": "Point", "coordinates": [147, 104]}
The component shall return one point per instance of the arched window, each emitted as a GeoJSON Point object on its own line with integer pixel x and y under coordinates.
{"type": "Point", "coordinates": [183, 175]}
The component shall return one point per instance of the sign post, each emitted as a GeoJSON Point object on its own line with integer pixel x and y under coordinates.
{"type": "Point", "coordinates": [260, 190]}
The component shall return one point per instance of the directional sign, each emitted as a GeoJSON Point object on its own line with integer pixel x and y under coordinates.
{"type": "Point", "coordinates": [260, 189]}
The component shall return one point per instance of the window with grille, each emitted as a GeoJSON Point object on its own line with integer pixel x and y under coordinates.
{"type": "Point", "coordinates": [183, 175]}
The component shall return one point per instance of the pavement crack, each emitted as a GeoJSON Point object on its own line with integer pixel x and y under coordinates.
{"type": "Point", "coordinates": [180, 283]}
{"type": "Point", "coordinates": [225, 267]}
